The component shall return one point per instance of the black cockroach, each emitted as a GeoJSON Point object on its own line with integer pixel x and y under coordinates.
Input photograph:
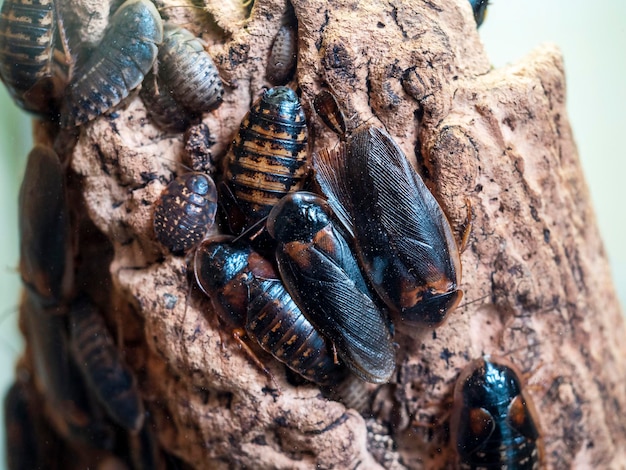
{"type": "Point", "coordinates": [247, 293]}
{"type": "Point", "coordinates": [402, 236]}
{"type": "Point", "coordinates": [494, 423]}
{"type": "Point", "coordinates": [68, 400]}
{"type": "Point", "coordinates": [268, 157]}
{"type": "Point", "coordinates": [188, 70]}
{"type": "Point", "coordinates": [27, 49]}
{"type": "Point", "coordinates": [46, 259]}
{"type": "Point", "coordinates": [283, 55]}
{"type": "Point", "coordinates": [479, 7]}
{"type": "Point", "coordinates": [108, 377]}
{"type": "Point", "coordinates": [323, 277]}
{"type": "Point", "coordinates": [185, 211]}
{"type": "Point", "coordinates": [328, 109]}
{"type": "Point", "coordinates": [117, 66]}
{"type": "Point", "coordinates": [161, 106]}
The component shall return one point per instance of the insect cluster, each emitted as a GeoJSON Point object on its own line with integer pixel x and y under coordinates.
{"type": "Point", "coordinates": [319, 281]}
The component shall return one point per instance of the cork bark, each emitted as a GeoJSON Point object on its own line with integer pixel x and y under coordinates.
{"type": "Point", "coordinates": [536, 280]}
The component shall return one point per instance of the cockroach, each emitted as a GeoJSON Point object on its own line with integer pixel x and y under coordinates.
{"type": "Point", "coordinates": [402, 237]}
{"type": "Point", "coordinates": [161, 106]}
{"type": "Point", "coordinates": [99, 361]}
{"type": "Point", "coordinates": [117, 66]}
{"type": "Point", "coordinates": [494, 423]}
{"type": "Point", "coordinates": [479, 7]}
{"type": "Point", "coordinates": [323, 277]}
{"type": "Point", "coordinates": [268, 157]}
{"type": "Point", "coordinates": [328, 109]}
{"type": "Point", "coordinates": [27, 48]}
{"type": "Point", "coordinates": [71, 409]}
{"type": "Point", "coordinates": [185, 211]}
{"type": "Point", "coordinates": [248, 294]}
{"type": "Point", "coordinates": [188, 70]}
{"type": "Point", "coordinates": [46, 258]}
{"type": "Point", "coordinates": [283, 55]}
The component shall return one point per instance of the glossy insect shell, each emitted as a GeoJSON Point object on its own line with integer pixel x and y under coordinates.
{"type": "Point", "coordinates": [46, 260]}
{"type": "Point", "coordinates": [283, 55]}
{"type": "Point", "coordinates": [268, 157]}
{"type": "Point", "coordinates": [27, 31]}
{"type": "Point", "coordinates": [403, 239]}
{"type": "Point", "coordinates": [479, 7]}
{"type": "Point", "coordinates": [247, 292]}
{"type": "Point", "coordinates": [117, 66]}
{"type": "Point", "coordinates": [323, 277]}
{"type": "Point", "coordinates": [185, 212]}
{"type": "Point", "coordinates": [494, 423]}
{"type": "Point", "coordinates": [100, 363]}
{"type": "Point", "coordinates": [161, 106]}
{"type": "Point", "coordinates": [328, 109]}
{"type": "Point", "coordinates": [188, 70]}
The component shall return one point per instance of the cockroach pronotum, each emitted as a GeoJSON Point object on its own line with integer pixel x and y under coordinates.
{"type": "Point", "coordinates": [494, 423]}
{"type": "Point", "coordinates": [248, 295]}
{"type": "Point", "coordinates": [185, 212]}
{"type": "Point", "coordinates": [402, 236]}
{"type": "Point", "coordinates": [268, 157]}
{"type": "Point", "coordinates": [117, 66]}
{"type": "Point", "coordinates": [323, 277]}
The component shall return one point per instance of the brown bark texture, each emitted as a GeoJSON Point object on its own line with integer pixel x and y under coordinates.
{"type": "Point", "coordinates": [537, 287]}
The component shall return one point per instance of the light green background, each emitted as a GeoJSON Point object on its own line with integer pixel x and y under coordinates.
{"type": "Point", "coordinates": [592, 36]}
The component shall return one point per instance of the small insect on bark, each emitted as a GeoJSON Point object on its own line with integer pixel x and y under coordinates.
{"type": "Point", "coordinates": [117, 66]}
{"type": "Point", "coordinates": [324, 279]}
{"type": "Point", "coordinates": [247, 293]}
{"type": "Point", "coordinates": [283, 56]}
{"type": "Point", "coordinates": [27, 48]}
{"type": "Point", "coordinates": [328, 109]}
{"type": "Point", "coordinates": [494, 423]}
{"type": "Point", "coordinates": [46, 258]}
{"type": "Point", "coordinates": [479, 7]}
{"type": "Point", "coordinates": [99, 361]}
{"type": "Point", "coordinates": [403, 239]}
{"type": "Point", "coordinates": [268, 157]}
{"type": "Point", "coordinates": [185, 212]}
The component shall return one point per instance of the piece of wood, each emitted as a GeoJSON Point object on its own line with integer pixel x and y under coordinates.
{"type": "Point", "coordinates": [536, 279]}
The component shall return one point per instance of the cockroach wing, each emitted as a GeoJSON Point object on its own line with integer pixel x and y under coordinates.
{"type": "Point", "coordinates": [337, 308]}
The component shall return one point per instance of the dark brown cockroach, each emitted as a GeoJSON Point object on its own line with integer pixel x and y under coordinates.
{"type": "Point", "coordinates": [185, 212]}
{"type": "Point", "coordinates": [46, 259]}
{"type": "Point", "coordinates": [188, 70]}
{"type": "Point", "coordinates": [268, 157]}
{"type": "Point", "coordinates": [161, 106]}
{"type": "Point", "coordinates": [109, 378]}
{"type": "Point", "coordinates": [117, 66]}
{"type": "Point", "coordinates": [247, 294]}
{"type": "Point", "coordinates": [283, 56]}
{"type": "Point", "coordinates": [494, 423]}
{"type": "Point", "coordinates": [479, 7]}
{"type": "Point", "coordinates": [323, 277]}
{"type": "Point", "coordinates": [328, 109]}
{"type": "Point", "coordinates": [402, 236]}
{"type": "Point", "coordinates": [68, 401]}
{"type": "Point", "coordinates": [27, 48]}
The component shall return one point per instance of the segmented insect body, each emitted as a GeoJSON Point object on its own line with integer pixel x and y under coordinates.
{"type": "Point", "coordinates": [403, 239]}
{"type": "Point", "coordinates": [480, 10]}
{"type": "Point", "coordinates": [323, 277]}
{"type": "Point", "coordinates": [283, 56]}
{"type": "Point", "coordinates": [185, 212]}
{"type": "Point", "coordinates": [188, 70]}
{"type": "Point", "coordinates": [161, 106]}
{"type": "Point", "coordinates": [27, 32]}
{"type": "Point", "coordinates": [117, 66]}
{"type": "Point", "coordinates": [494, 423]}
{"type": "Point", "coordinates": [109, 378]}
{"type": "Point", "coordinates": [46, 261]}
{"type": "Point", "coordinates": [247, 292]}
{"type": "Point", "coordinates": [268, 157]}
{"type": "Point", "coordinates": [328, 109]}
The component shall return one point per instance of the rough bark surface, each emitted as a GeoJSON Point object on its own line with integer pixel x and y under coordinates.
{"type": "Point", "coordinates": [536, 280]}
